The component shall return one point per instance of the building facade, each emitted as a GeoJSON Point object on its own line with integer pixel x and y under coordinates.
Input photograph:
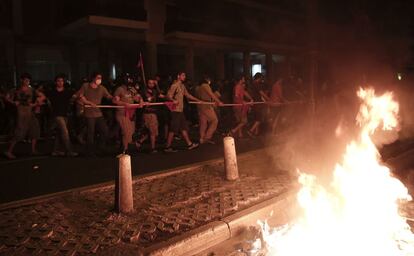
{"type": "Point", "coordinates": [221, 38]}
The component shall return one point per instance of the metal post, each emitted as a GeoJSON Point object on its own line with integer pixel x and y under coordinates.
{"type": "Point", "coordinates": [124, 201]}
{"type": "Point", "coordinates": [230, 159]}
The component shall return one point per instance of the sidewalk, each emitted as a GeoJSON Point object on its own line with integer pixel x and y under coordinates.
{"type": "Point", "coordinates": [170, 207]}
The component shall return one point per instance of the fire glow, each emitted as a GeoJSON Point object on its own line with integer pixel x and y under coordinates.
{"type": "Point", "coordinates": [358, 214]}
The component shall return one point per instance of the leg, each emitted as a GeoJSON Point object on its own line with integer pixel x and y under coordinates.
{"type": "Point", "coordinates": [213, 122]}
{"type": "Point", "coordinates": [64, 133]}
{"type": "Point", "coordinates": [103, 131]}
{"type": "Point", "coordinates": [203, 125]}
{"type": "Point", "coordinates": [90, 122]}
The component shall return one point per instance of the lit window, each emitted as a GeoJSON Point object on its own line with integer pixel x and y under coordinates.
{"type": "Point", "coordinates": [256, 68]}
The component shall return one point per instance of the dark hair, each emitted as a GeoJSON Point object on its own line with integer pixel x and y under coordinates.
{"type": "Point", "coordinates": [63, 76]}
{"type": "Point", "coordinates": [180, 72]}
{"type": "Point", "coordinates": [206, 78]}
{"type": "Point", "coordinates": [25, 75]}
{"type": "Point", "coordinates": [240, 77]}
{"type": "Point", "coordinates": [258, 75]}
{"type": "Point", "coordinates": [95, 74]}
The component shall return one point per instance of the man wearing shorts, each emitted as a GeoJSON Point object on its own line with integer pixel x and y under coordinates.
{"type": "Point", "coordinates": [27, 124]}
{"type": "Point", "coordinates": [151, 95]}
{"type": "Point", "coordinates": [178, 123]}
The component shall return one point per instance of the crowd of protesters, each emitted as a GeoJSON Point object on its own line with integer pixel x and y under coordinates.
{"type": "Point", "coordinates": [129, 112]}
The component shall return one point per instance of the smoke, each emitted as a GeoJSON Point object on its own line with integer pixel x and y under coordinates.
{"type": "Point", "coordinates": [314, 143]}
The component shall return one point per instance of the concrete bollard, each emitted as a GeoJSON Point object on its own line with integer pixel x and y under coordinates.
{"type": "Point", "coordinates": [230, 159]}
{"type": "Point", "coordinates": [124, 201]}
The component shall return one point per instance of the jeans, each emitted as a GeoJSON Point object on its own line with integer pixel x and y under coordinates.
{"type": "Point", "coordinates": [63, 134]}
{"type": "Point", "coordinates": [100, 124]}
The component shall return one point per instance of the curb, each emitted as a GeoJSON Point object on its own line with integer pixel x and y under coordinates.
{"type": "Point", "coordinates": [214, 233]}
{"type": "Point", "coordinates": [136, 179]}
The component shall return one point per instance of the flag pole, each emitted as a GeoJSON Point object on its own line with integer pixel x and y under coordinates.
{"type": "Point", "coordinates": [141, 64]}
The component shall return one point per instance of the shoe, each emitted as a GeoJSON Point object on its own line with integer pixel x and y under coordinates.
{"type": "Point", "coordinates": [153, 151]}
{"type": "Point", "coordinates": [9, 155]}
{"type": "Point", "coordinates": [72, 154]}
{"type": "Point", "coordinates": [177, 138]}
{"type": "Point", "coordinates": [251, 135]}
{"type": "Point", "coordinates": [58, 153]}
{"type": "Point", "coordinates": [210, 142]}
{"type": "Point", "coordinates": [192, 146]}
{"type": "Point", "coordinates": [169, 150]}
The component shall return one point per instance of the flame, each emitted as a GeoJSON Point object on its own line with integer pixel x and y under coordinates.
{"type": "Point", "coordinates": [358, 213]}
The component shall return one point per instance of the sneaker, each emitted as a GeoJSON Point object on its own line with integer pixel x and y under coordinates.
{"type": "Point", "coordinates": [153, 151]}
{"type": "Point", "coordinates": [9, 155]}
{"type": "Point", "coordinates": [169, 150]}
{"type": "Point", "coordinates": [210, 142]}
{"type": "Point", "coordinates": [251, 134]}
{"type": "Point", "coordinates": [72, 154]}
{"type": "Point", "coordinates": [58, 153]}
{"type": "Point", "coordinates": [192, 146]}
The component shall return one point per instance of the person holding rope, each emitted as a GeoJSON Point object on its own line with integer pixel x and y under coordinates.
{"type": "Point", "coordinates": [258, 94]}
{"type": "Point", "coordinates": [206, 113]}
{"type": "Point", "coordinates": [275, 103]}
{"type": "Point", "coordinates": [151, 95]}
{"type": "Point", "coordinates": [240, 111]}
{"type": "Point", "coordinates": [178, 123]}
{"type": "Point", "coordinates": [92, 94]}
{"type": "Point", "coordinates": [125, 95]}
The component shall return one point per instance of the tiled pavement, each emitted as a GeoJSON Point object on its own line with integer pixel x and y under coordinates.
{"type": "Point", "coordinates": [83, 222]}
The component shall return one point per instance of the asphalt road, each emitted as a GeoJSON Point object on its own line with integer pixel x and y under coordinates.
{"type": "Point", "coordinates": [28, 177]}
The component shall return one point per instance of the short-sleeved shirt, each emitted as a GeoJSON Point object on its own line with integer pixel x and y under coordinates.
{"type": "Point", "coordinates": [202, 92]}
{"type": "Point", "coordinates": [125, 94]}
{"type": "Point", "coordinates": [276, 93]}
{"type": "Point", "coordinates": [94, 95]}
{"type": "Point", "coordinates": [24, 98]}
{"type": "Point", "coordinates": [177, 92]}
{"type": "Point", "coordinates": [238, 94]}
{"type": "Point", "coordinates": [151, 95]}
{"type": "Point", "coordinates": [255, 91]}
{"type": "Point", "coordinates": [59, 101]}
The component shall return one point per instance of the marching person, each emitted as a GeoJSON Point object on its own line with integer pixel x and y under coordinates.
{"type": "Point", "coordinates": [206, 113]}
{"type": "Point", "coordinates": [151, 95]}
{"type": "Point", "coordinates": [91, 94]}
{"type": "Point", "coordinates": [125, 95]}
{"type": "Point", "coordinates": [178, 123]}
{"type": "Point", "coordinates": [258, 94]}
{"type": "Point", "coordinates": [240, 112]}
{"type": "Point", "coordinates": [60, 100]}
{"type": "Point", "coordinates": [27, 124]}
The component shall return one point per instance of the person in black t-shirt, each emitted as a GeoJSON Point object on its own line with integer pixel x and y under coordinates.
{"type": "Point", "coordinates": [60, 99]}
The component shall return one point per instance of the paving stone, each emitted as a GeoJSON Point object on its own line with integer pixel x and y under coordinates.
{"type": "Point", "coordinates": [83, 223]}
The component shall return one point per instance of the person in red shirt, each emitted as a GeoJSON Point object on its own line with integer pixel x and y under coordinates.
{"type": "Point", "coordinates": [240, 112]}
{"type": "Point", "coordinates": [276, 98]}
